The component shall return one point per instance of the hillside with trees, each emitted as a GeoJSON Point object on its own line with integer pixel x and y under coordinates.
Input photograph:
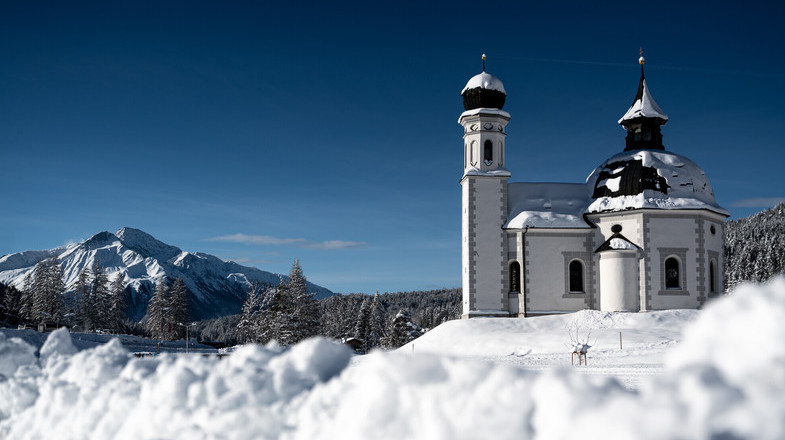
{"type": "Point", "coordinates": [755, 246]}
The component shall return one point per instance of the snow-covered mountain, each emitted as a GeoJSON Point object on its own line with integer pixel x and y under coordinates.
{"type": "Point", "coordinates": [217, 287]}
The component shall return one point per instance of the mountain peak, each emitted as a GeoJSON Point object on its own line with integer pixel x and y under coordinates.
{"type": "Point", "coordinates": [145, 244]}
{"type": "Point", "coordinates": [98, 240]}
{"type": "Point", "coordinates": [216, 287]}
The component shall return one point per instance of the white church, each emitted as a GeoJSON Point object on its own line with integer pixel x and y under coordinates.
{"type": "Point", "coordinates": [643, 233]}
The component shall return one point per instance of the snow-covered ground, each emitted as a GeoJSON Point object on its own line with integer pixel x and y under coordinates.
{"type": "Point", "coordinates": [717, 373]}
{"type": "Point", "coordinates": [541, 343]}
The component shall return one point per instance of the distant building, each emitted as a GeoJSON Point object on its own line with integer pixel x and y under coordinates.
{"type": "Point", "coordinates": [354, 344]}
{"type": "Point", "coordinates": [643, 233]}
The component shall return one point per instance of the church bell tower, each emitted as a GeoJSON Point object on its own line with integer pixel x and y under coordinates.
{"type": "Point", "coordinates": [484, 197]}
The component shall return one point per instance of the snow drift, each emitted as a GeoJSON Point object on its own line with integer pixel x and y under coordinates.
{"type": "Point", "coordinates": [725, 379]}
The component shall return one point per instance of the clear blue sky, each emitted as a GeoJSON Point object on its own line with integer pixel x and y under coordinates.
{"type": "Point", "coordinates": [327, 132]}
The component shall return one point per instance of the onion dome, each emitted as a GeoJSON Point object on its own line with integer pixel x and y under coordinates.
{"type": "Point", "coordinates": [643, 119]}
{"type": "Point", "coordinates": [483, 91]}
{"type": "Point", "coordinates": [650, 179]}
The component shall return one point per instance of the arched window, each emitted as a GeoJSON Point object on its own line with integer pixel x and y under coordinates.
{"type": "Point", "coordinates": [712, 276]}
{"type": "Point", "coordinates": [672, 273]}
{"type": "Point", "coordinates": [487, 152]}
{"type": "Point", "coordinates": [576, 276]}
{"type": "Point", "coordinates": [515, 277]}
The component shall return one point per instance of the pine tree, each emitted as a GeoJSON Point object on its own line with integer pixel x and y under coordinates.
{"type": "Point", "coordinates": [304, 309]}
{"type": "Point", "coordinates": [117, 303]}
{"type": "Point", "coordinates": [48, 288]}
{"type": "Point", "coordinates": [101, 300]}
{"type": "Point", "coordinates": [288, 313]}
{"type": "Point", "coordinates": [248, 325]}
{"type": "Point", "coordinates": [38, 292]}
{"type": "Point", "coordinates": [157, 324]}
{"type": "Point", "coordinates": [11, 303]}
{"type": "Point", "coordinates": [26, 299]}
{"type": "Point", "coordinates": [376, 324]}
{"type": "Point", "coordinates": [402, 330]}
{"type": "Point", "coordinates": [268, 323]}
{"type": "Point", "coordinates": [84, 298]}
{"type": "Point", "coordinates": [177, 308]}
{"type": "Point", "coordinates": [363, 321]}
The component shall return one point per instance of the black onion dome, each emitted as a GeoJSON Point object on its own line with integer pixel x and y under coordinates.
{"type": "Point", "coordinates": [483, 91]}
{"type": "Point", "coordinates": [652, 179]}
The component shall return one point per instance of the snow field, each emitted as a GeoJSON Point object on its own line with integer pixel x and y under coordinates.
{"type": "Point", "coordinates": [725, 378]}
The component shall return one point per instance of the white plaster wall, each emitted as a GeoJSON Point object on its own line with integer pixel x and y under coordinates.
{"type": "Point", "coordinates": [631, 224]}
{"type": "Point", "coordinates": [670, 232]}
{"type": "Point", "coordinates": [714, 243]}
{"type": "Point", "coordinates": [632, 228]}
{"type": "Point", "coordinates": [619, 281]}
{"type": "Point", "coordinates": [515, 253]}
{"type": "Point", "coordinates": [465, 246]}
{"type": "Point", "coordinates": [489, 244]}
{"type": "Point", "coordinates": [547, 272]}
{"type": "Point", "coordinates": [478, 129]}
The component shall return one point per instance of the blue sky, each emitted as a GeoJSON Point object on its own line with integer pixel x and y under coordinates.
{"type": "Point", "coordinates": [327, 132]}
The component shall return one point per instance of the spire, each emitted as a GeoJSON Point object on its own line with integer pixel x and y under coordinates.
{"type": "Point", "coordinates": [483, 62]}
{"type": "Point", "coordinates": [644, 117]}
{"type": "Point", "coordinates": [641, 60]}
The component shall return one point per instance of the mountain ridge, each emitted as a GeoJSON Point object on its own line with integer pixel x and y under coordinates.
{"type": "Point", "coordinates": [217, 287]}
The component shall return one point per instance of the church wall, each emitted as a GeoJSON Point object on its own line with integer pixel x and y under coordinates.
{"type": "Point", "coordinates": [619, 281]}
{"type": "Point", "coordinates": [714, 250]}
{"type": "Point", "coordinates": [547, 257]}
{"type": "Point", "coordinates": [467, 265]}
{"type": "Point", "coordinates": [484, 250]}
{"type": "Point", "coordinates": [632, 224]}
{"type": "Point", "coordinates": [675, 235]}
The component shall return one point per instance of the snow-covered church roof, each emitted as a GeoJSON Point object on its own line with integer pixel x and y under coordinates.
{"type": "Point", "coordinates": [546, 205]}
{"type": "Point", "coordinates": [641, 179]}
{"type": "Point", "coordinates": [654, 179]}
{"type": "Point", "coordinates": [644, 176]}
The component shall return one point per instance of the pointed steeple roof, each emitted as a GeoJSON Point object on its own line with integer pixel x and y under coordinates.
{"type": "Point", "coordinates": [644, 105]}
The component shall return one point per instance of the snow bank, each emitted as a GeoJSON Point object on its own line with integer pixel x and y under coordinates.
{"type": "Point", "coordinates": [105, 392]}
{"type": "Point", "coordinates": [725, 379]}
{"type": "Point", "coordinates": [14, 353]}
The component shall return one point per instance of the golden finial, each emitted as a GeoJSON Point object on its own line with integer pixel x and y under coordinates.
{"type": "Point", "coordinates": [483, 62]}
{"type": "Point", "coordinates": [641, 60]}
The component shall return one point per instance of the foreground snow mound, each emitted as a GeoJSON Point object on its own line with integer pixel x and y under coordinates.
{"type": "Point", "coordinates": [725, 379]}
{"type": "Point", "coordinates": [106, 393]}
{"type": "Point", "coordinates": [14, 353]}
